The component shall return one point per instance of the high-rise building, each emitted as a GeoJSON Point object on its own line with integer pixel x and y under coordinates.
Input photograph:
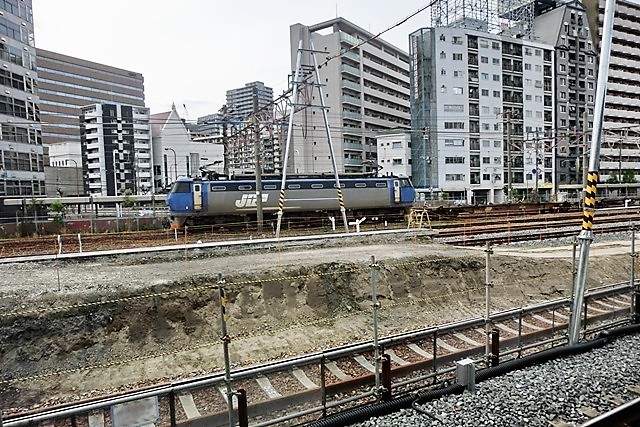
{"type": "Point", "coordinates": [567, 29]}
{"type": "Point", "coordinates": [366, 90]}
{"type": "Point", "coordinates": [481, 107]}
{"type": "Point", "coordinates": [66, 84]}
{"type": "Point", "coordinates": [21, 150]}
{"type": "Point", "coordinates": [240, 102]}
{"type": "Point", "coordinates": [116, 149]}
{"type": "Point", "coordinates": [620, 153]}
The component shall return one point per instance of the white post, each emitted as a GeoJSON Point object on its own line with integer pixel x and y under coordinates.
{"type": "Point", "coordinates": [80, 242]}
{"type": "Point", "coordinates": [59, 244]}
{"type": "Point", "coordinates": [333, 223]}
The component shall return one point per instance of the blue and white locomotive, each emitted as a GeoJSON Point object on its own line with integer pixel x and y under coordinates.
{"type": "Point", "coordinates": [198, 201]}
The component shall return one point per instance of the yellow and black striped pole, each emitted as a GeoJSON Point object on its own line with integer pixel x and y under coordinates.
{"type": "Point", "coordinates": [589, 208]}
{"type": "Point", "coordinates": [280, 210]}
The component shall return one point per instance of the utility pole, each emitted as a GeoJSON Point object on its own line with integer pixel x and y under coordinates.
{"type": "Point", "coordinates": [225, 141]}
{"type": "Point", "coordinates": [585, 144]}
{"type": "Point", "coordinates": [535, 191]}
{"type": "Point", "coordinates": [509, 161]}
{"type": "Point", "coordinates": [256, 154]}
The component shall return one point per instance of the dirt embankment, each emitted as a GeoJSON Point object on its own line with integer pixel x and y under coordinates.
{"type": "Point", "coordinates": [161, 319]}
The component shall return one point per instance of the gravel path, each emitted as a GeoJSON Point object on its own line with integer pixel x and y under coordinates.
{"type": "Point", "coordinates": [556, 391]}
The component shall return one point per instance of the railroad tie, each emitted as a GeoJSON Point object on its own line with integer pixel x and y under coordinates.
{"type": "Point", "coordinates": [335, 370]}
{"type": "Point", "coordinates": [395, 358]}
{"type": "Point", "coordinates": [304, 379]}
{"type": "Point", "coordinates": [365, 363]}
{"type": "Point", "coordinates": [189, 406]}
{"type": "Point", "coordinates": [561, 316]}
{"type": "Point", "coordinates": [622, 304]}
{"type": "Point", "coordinates": [96, 419]}
{"type": "Point", "coordinates": [420, 351]}
{"type": "Point", "coordinates": [609, 306]}
{"type": "Point", "coordinates": [267, 387]}
{"type": "Point", "coordinates": [543, 319]}
{"type": "Point", "coordinates": [463, 337]}
{"type": "Point", "coordinates": [598, 310]}
{"type": "Point", "coordinates": [531, 326]}
{"type": "Point", "coordinates": [441, 343]}
{"type": "Point", "coordinates": [506, 329]}
{"type": "Point", "coordinates": [634, 389]}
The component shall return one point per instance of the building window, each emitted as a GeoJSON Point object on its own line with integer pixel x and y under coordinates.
{"type": "Point", "coordinates": [443, 55]}
{"type": "Point", "coordinates": [484, 76]}
{"type": "Point", "coordinates": [527, 97]}
{"type": "Point", "coordinates": [443, 72]}
{"type": "Point", "coordinates": [457, 91]}
{"type": "Point", "coordinates": [454, 125]}
{"type": "Point", "coordinates": [497, 143]}
{"type": "Point", "coordinates": [486, 143]}
{"type": "Point", "coordinates": [484, 43]}
{"type": "Point", "coordinates": [496, 77]}
{"type": "Point", "coordinates": [496, 94]}
{"type": "Point", "coordinates": [527, 51]}
{"type": "Point", "coordinates": [443, 89]}
{"type": "Point", "coordinates": [563, 108]}
{"type": "Point", "coordinates": [484, 92]}
{"type": "Point", "coordinates": [454, 142]}
{"type": "Point", "coordinates": [527, 66]}
{"type": "Point", "coordinates": [485, 126]}
{"type": "Point", "coordinates": [590, 85]}
{"type": "Point", "coordinates": [484, 60]}
{"type": "Point", "coordinates": [458, 73]}
{"type": "Point", "coordinates": [563, 54]}
{"type": "Point", "coordinates": [456, 40]}
{"type": "Point", "coordinates": [454, 177]}
{"type": "Point", "coordinates": [563, 95]}
{"type": "Point", "coordinates": [563, 81]}
{"type": "Point", "coordinates": [495, 45]}
{"type": "Point", "coordinates": [497, 110]}
{"type": "Point", "coordinates": [454, 107]}
{"type": "Point", "coordinates": [497, 160]}
{"type": "Point", "coordinates": [496, 127]}
{"type": "Point", "coordinates": [563, 68]}
{"type": "Point", "coordinates": [397, 162]}
{"type": "Point", "coordinates": [538, 52]}
{"type": "Point", "coordinates": [454, 160]}
{"type": "Point", "coordinates": [486, 160]}
{"type": "Point", "coordinates": [457, 57]}
{"type": "Point", "coordinates": [495, 61]}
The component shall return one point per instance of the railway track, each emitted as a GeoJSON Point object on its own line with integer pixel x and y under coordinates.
{"type": "Point", "coordinates": [466, 231]}
{"type": "Point", "coordinates": [302, 389]}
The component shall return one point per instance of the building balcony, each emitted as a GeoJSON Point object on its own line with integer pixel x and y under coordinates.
{"type": "Point", "coordinates": [352, 146]}
{"type": "Point", "coordinates": [351, 100]}
{"type": "Point", "coordinates": [347, 69]}
{"type": "Point", "coordinates": [352, 115]}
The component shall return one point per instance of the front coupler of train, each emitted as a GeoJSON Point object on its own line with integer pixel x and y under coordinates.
{"type": "Point", "coordinates": [180, 201]}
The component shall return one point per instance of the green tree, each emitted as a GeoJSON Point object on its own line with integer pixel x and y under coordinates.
{"type": "Point", "coordinates": [629, 176]}
{"type": "Point", "coordinates": [127, 201]}
{"type": "Point", "coordinates": [58, 211]}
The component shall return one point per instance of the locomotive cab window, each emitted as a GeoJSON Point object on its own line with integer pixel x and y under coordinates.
{"type": "Point", "coordinates": [181, 187]}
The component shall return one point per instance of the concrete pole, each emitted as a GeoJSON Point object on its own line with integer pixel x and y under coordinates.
{"type": "Point", "coordinates": [258, 166]}
{"type": "Point", "coordinates": [586, 235]}
{"type": "Point", "coordinates": [487, 315]}
{"type": "Point", "coordinates": [225, 346]}
{"type": "Point", "coordinates": [375, 305]}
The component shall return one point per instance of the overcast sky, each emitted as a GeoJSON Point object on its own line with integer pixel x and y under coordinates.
{"type": "Point", "coordinates": [192, 51]}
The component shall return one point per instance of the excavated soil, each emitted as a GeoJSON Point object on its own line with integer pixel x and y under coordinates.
{"type": "Point", "coordinates": [68, 329]}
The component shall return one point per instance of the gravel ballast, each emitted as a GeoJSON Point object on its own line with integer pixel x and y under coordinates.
{"type": "Point", "coordinates": [570, 390]}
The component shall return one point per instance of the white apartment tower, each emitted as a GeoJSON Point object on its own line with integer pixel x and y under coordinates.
{"type": "Point", "coordinates": [366, 90]}
{"type": "Point", "coordinates": [116, 149]}
{"type": "Point", "coordinates": [481, 108]}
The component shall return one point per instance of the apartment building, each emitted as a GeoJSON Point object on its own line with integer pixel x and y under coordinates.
{"type": "Point", "coordinates": [116, 149]}
{"type": "Point", "coordinates": [620, 150]}
{"type": "Point", "coordinates": [567, 29]}
{"type": "Point", "coordinates": [240, 101]}
{"type": "Point", "coordinates": [394, 153]}
{"type": "Point", "coordinates": [366, 90]}
{"type": "Point", "coordinates": [481, 107]}
{"type": "Point", "coordinates": [21, 150]}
